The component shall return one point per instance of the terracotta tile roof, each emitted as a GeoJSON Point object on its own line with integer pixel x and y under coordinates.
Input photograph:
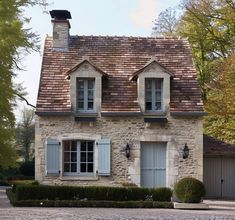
{"type": "Point", "coordinates": [215, 147]}
{"type": "Point", "coordinates": [120, 58]}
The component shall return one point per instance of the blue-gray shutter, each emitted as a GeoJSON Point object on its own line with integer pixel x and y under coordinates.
{"type": "Point", "coordinates": [104, 157]}
{"type": "Point", "coordinates": [52, 156]}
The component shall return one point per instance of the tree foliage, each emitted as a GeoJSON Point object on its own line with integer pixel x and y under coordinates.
{"type": "Point", "coordinates": [220, 104]}
{"type": "Point", "coordinates": [209, 26]}
{"type": "Point", "coordinates": [24, 134]}
{"type": "Point", "coordinates": [13, 40]}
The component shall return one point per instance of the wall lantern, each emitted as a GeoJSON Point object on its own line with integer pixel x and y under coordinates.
{"type": "Point", "coordinates": [185, 151]}
{"type": "Point", "coordinates": [127, 151]}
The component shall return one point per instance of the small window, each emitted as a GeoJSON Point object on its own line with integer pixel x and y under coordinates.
{"type": "Point", "coordinates": [153, 94]}
{"type": "Point", "coordinates": [85, 94]}
{"type": "Point", "coordinates": [78, 157]}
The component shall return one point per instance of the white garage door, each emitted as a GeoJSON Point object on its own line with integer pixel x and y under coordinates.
{"type": "Point", "coordinates": [219, 177]}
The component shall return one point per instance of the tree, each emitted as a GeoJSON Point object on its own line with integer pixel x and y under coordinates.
{"type": "Point", "coordinates": [209, 26]}
{"type": "Point", "coordinates": [220, 105]}
{"type": "Point", "coordinates": [14, 40]}
{"type": "Point", "coordinates": [166, 24]}
{"type": "Point", "coordinates": [24, 134]}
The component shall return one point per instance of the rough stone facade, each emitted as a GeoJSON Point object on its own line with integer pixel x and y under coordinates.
{"type": "Point", "coordinates": [121, 130]}
{"type": "Point", "coordinates": [60, 34]}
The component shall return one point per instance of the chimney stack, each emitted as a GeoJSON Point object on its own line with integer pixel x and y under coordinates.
{"type": "Point", "coordinates": [61, 28]}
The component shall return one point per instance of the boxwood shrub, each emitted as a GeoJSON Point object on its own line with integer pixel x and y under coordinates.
{"type": "Point", "coordinates": [189, 190]}
{"type": "Point", "coordinates": [42, 192]}
{"type": "Point", "coordinates": [103, 204]}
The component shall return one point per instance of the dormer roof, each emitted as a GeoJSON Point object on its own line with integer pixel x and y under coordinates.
{"type": "Point", "coordinates": [85, 61]}
{"type": "Point", "coordinates": [152, 61]}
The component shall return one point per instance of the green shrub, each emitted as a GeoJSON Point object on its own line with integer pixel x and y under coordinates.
{"type": "Point", "coordinates": [4, 183]}
{"type": "Point", "coordinates": [190, 190]}
{"type": "Point", "coordinates": [104, 204]}
{"type": "Point", "coordinates": [162, 194]}
{"type": "Point", "coordinates": [27, 168]}
{"type": "Point", "coordinates": [19, 177]}
{"type": "Point", "coordinates": [41, 192]}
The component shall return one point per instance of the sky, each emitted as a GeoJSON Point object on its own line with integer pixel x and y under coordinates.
{"type": "Point", "coordinates": [89, 17]}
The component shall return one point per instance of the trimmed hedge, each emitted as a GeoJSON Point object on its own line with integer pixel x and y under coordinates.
{"type": "Point", "coordinates": [93, 204]}
{"type": "Point", "coordinates": [190, 190]}
{"type": "Point", "coordinates": [41, 192]}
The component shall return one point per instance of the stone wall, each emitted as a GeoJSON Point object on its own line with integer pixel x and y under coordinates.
{"type": "Point", "coordinates": [122, 130]}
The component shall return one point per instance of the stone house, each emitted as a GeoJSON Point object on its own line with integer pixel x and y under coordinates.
{"type": "Point", "coordinates": [114, 110]}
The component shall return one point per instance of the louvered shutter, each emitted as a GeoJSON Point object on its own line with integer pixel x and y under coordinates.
{"type": "Point", "coordinates": [104, 157]}
{"type": "Point", "coordinates": [52, 156]}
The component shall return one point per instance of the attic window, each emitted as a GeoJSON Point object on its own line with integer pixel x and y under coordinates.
{"type": "Point", "coordinates": [153, 94]}
{"type": "Point", "coordinates": [85, 94]}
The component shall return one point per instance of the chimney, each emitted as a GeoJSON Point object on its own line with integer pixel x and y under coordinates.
{"type": "Point", "coordinates": [61, 28]}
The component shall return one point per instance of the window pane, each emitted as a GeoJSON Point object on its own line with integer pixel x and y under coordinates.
{"type": "Point", "coordinates": [73, 167]}
{"type": "Point", "coordinates": [90, 146]}
{"type": "Point", "coordinates": [83, 145]}
{"type": "Point", "coordinates": [66, 145]}
{"type": "Point", "coordinates": [158, 96]}
{"type": "Point", "coordinates": [66, 167]}
{"type": "Point", "coordinates": [80, 95]}
{"type": "Point", "coordinates": [66, 156]}
{"type": "Point", "coordinates": [83, 157]}
{"type": "Point", "coordinates": [148, 106]}
{"type": "Point", "coordinates": [83, 168]}
{"type": "Point", "coordinates": [147, 84]}
{"type": "Point", "coordinates": [80, 105]}
{"type": "Point", "coordinates": [90, 167]}
{"type": "Point", "coordinates": [158, 83]}
{"type": "Point", "coordinates": [91, 84]}
{"type": "Point", "coordinates": [90, 105]}
{"type": "Point", "coordinates": [158, 106]}
{"type": "Point", "coordinates": [148, 95]}
{"type": "Point", "coordinates": [80, 84]}
{"type": "Point", "coordinates": [73, 157]}
{"type": "Point", "coordinates": [74, 146]}
{"type": "Point", "coordinates": [90, 95]}
{"type": "Point", "coordinates": [90, 157]}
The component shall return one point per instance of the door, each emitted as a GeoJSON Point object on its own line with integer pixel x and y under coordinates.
{"type": "Point", "coordinates": [219, 177]}
{"type": "Point", "coordinates": [153, 164]}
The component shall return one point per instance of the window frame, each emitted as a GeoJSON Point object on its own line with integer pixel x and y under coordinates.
{"type": "Point", "coordinates": [86, 89]}
{"type": "Point", "coordinates": [78, 158]}
{"type": "Point", "coordinates": [153, 90]}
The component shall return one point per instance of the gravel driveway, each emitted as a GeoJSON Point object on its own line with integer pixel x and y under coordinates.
{"type": "Point", "coordinates": [218, 211]}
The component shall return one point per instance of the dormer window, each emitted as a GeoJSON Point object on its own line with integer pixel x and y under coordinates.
{"type": "Point", "coordinates": [85, 94]}
{"type": "Point", "coordinates": [153, 94]}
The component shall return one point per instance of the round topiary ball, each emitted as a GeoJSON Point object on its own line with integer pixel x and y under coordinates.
{"type": "Point", "coordinates": [189, 190]}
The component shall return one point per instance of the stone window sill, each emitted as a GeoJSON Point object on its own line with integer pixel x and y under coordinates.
{"type": "Point", "coordinates": [79, 178]}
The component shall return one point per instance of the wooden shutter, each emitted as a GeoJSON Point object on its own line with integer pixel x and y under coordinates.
{"type": "Point", "coordinates": [104, 157]}
{"type": "Point", "coordinates": [52, 156]}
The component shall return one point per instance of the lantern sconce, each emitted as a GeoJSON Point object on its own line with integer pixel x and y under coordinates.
{"type": "Point", "coordinates": [127, 151]}
{"type": "Point", "coordinates": [185, 151]}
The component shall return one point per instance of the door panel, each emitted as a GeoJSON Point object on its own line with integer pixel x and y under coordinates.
{"type": "Point", "coordinates": [153, 164]}
{"type": "Point", "coordinates": [228, 177]}
{"type": "Point", "coordinates": [212, 176]}
{"type": "Point", "coordinates": [219, 178]}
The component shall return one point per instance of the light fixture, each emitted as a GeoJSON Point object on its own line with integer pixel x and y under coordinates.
{"type": "Point", "coordinates": [185, 151]}
{"type": "Point", "coordinates": [127, 151]}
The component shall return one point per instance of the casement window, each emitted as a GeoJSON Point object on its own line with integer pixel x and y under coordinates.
{"type": "Point", "coordinates": [153, 94]}
{"type": "Point", "coordinates": [78, 157]}
{"type": "Point", "coordinates": [85, 94]}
